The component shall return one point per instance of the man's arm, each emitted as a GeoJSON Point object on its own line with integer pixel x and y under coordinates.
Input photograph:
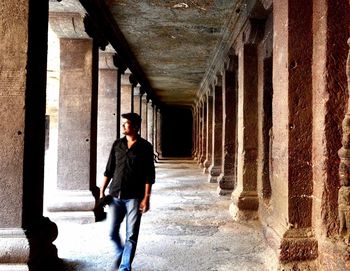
{"type": "Point", "coordinates": [105, 183]}
{"type": "Point", "coordinates": [144, 205]}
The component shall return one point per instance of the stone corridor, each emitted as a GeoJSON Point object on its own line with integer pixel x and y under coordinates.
{"type": "Point", "coordinates": [188, 228]}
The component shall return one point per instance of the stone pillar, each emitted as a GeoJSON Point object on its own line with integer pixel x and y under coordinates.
{"type": "Point", "coordinates": [25, 235]}
{"type": "Point", "coordinates": [74, 163]}
{"type": "Point", "coordinates": [330, 103]}
{"type": "Point", "coordinates": [144, 116]}
{"type": "Point", "coordinates": [137, 100]}
{"type": "Point", "coordinates": [121, 67]}
{"type": "Point", "coordinates": [200, 135]}
{"type": "Point", "coordinates": [292, 186]}
{"type": "Point", "coordinates": [194, 128]}
{"type": "Point", "coordinates": [245, 196]}
{"type": "Point", "coordinates": [227, 177]}
{"type": "Point", "coordinates": [150, 121]}
{"type": "Point", "coordinates": [155, 130]}
{"type": "Point", "coordinates": [215, 168]}
{"type": "Point", "coordinates": [344, 169]}
{"type": "Point", "coordinates": [203, 133]}
{"type": "Point", "coordinates": [159, 133]}
{"type": "Point", "coordinates": [133, 82]}
{"type": "Point", "coordinates": [197, 131]}
{"type": "Point", "coordinates": [209, 132]}
{"type": "Point", "coordinates": [126, 95]}
{"type": "Point", "coordinates": [107, 109]}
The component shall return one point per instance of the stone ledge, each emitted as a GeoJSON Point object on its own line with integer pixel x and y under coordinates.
{"type": "Point", "coordinates": [14, 267]}
{"type": "Point", "coordinates": [14, 246]}
{"type": "Point", "coordinates": [70, 201]}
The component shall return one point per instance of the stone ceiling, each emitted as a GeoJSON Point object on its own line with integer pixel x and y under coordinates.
{"type": "Point", "coordinates": [174, 42]}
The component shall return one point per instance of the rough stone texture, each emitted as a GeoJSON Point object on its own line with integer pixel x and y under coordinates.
{"type": "Point", "coordinates": [245, 194]}
{"type": "Point", "coordinates": [74, 134]}
{"type": "Point", "coordinates": [329, 60]}
{"type": "Point", "coordinates": [13, 52]}
{"type": "Point", "coordinates": [227, 178]}
{"type": "Point", "coordinates": [126, 95]}
{"type": "Point", "coordinates": [203, 133]}
{"type": "Point", "coordinates": [137, 100]}
{"type": "Point", "coordinates": [158, 145]}
{"type": "Point", "coordinates": [185, 34]}
{"type": "Point", "coordinates": [107, 106]}
{"type": "Point", "coordinates": [74, 114]}
{"type": "Point", "coordinates": [265, 129]}
{"type": "Point", "coordinates": [187, 228]}
{"type": "Point", "coordinates": [209, 133]}
{"type": "Point", "coordinates": [215, 167]}
{"type": "Point", "coordinates": [150, 121]}
{"type": "Point", "coordinates": [144, 116]}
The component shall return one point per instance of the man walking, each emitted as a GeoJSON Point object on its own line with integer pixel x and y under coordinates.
{"type": "Point", "coordinates": [131, 168]}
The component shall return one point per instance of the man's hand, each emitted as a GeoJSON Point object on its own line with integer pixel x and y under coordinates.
{"type": "Point", "coordinates": [144, 205]}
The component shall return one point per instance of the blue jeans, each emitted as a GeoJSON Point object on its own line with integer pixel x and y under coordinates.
{"type": "Point", "coordinates": [128, 208]}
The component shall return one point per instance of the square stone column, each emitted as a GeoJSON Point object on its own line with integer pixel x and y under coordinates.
{"type": "Point", "coordinates": [245, 196]}
{"type": "Point", "coordinates": [215, 167]}
{"type": "Point", "coordinates": [196, 134]}
{"type": "Point", "coordinates": [76, 154]}
{"type": "Point", "coordinates": [25, 235]}
{"type": "Point", "coordinates": [200, 131]}
{"type": "Point", "coordinates": [203, 140]}
{"type": "Point", "coordinates": [209, 132]}
{"type": "Point", "coordinates": [137, 99]}
{"type": "Point", "coordinates": [144, 116]}
{"type": "Point", "coordinates": [150, 121]}
{"type": "Point", "coordinates": [107, 110]}
{"type": "Point", "coordinates": [159, 133]}
{"type": "Point", "coordinates": [227, 178]}
{"type": "Point", "coordinates": [292, 186]}
{"type": "Point", "coordinates": [126, 94]}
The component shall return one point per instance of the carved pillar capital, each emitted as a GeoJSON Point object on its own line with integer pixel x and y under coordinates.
{"type": "Point", "coordinates": [132, 79]}
{"type": "Point", "coordinates": [118, 62]}
{"type": "Point", "coordinates": [94, 31]}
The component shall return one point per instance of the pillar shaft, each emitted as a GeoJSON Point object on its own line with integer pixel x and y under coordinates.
{"type": "Point", "coordinates": [137, 100]}
{"type": "Point", "coordinates": [245, 195]}
{"type": "Point", "coordinates": [22, 121]}
{"type": "Point", "coordinates": [215, 167]}
{"type": "Point", "coordinates": [107, 100]}
{"type": "Point", "coordinates": [126, 95]}
{"type": "Point", "coordinates": [76, 128]}
{"type": "Point", "coordinates": [292, 185]}
{"type": "Point", "coordinates": [227, 177]}
{"type": "Point", "coordinates": [144, 116]}
{"type": "Point", "coordinates": [209, 133]}
{"type": "Point", "coordinates": [150, 122]}
{"type": "Point", "coordinates": [203, 133]}
{"type": "Point", "coordinates": [159, 133]}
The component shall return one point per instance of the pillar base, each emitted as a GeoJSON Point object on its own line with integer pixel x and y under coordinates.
{"type": "Point", "coordinates": [214, 173]}
{"type": "Point", "coordinates": [245, 205]}
{"type": "Point", "coordinates": [14, 249]}
{"type": "Point", "coordinates": [206, 166]}
{"type": "Point", "coordinates": [72, 205]}
{"type": "Point", "coordinates": [297, 249]}
{"type": "Point", "coordinates": [298, 245]}
{"type": "Point", "coordinates": [226, 184]}
{"type": "Point", "coordinates": [43, 253]}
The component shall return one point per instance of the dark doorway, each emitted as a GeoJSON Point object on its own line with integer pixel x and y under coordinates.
{"type": "Point", "coordinates": [177, 132]}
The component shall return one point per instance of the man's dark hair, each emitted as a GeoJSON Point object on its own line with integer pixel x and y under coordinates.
{"type": "Point", "coordinates": [134, 118]}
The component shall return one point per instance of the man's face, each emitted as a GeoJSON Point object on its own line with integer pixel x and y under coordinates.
{"type": "Point", "coordinates": [128, 129]}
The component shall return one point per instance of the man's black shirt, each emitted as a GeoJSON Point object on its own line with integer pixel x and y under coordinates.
{"type": "Point", "coordinates": [130, 169]}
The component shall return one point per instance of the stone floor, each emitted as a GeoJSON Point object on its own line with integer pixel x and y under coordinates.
{"type": "Point", "coordinates": [188, 228]}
